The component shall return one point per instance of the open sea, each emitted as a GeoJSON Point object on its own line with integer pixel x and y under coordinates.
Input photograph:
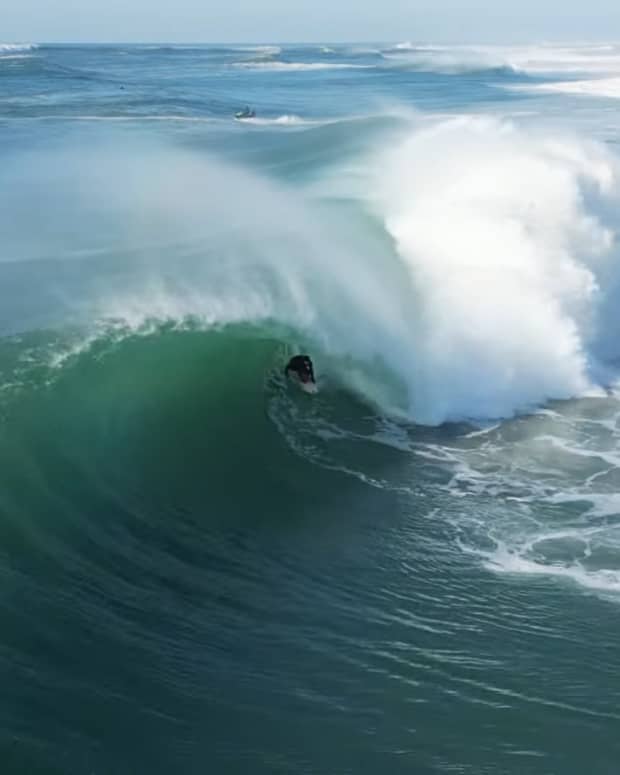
{"type": "Point", "coordinates": [205, 570]}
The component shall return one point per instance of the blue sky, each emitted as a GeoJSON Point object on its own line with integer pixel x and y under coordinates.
{"type": "Point", "coordinates": [301, 20]}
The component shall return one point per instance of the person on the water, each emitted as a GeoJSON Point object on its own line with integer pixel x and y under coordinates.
{"type": "Point", "coordinates": [301, 365]}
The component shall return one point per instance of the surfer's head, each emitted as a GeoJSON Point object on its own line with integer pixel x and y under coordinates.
{"type": "Point", "coordinates": [301, 365]}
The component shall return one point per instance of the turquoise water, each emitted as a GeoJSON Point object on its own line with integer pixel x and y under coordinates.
{"type": "Point", "coordinates": [205, 570]}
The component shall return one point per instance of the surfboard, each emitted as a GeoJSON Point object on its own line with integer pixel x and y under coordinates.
{"type": "Point", "coordinates": [308, 387]}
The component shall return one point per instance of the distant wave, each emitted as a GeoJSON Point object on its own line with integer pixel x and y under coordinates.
{"type": "Point", "coordinates": [300, 66]}
{"type": "Point", "coordinates": [260, 53]}
{"type": "Point", "coordinates": [406, 46]}
{"type": "Point", "coordinates": [362, 50]}
{"type": "Point", "coordinates": [446, 59]}
{"type": "Point", "coordinates": [589, 70]}
{"type": "Point", "coordinates": [531, 60]}
{"type": "Point", "coordinates": [597, 87]}
{"type": "Point", "coordinates": [139, 118]}
{"type": "Point", "coordinates": [16, 50]}
{"type": "Point", "coordinates": [264, 50]}
{"type": "Point", "coordinates": [285, 120]}
{"type": "Point", "coordinates": [12, 47]}
{"type": "Point", "coordinates": [578, 59]}
{"type": "Point", "coordinates": [169, 47]}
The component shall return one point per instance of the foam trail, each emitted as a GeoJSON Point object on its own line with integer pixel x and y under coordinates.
{"type": "Point", "coordinates": [506, 560]}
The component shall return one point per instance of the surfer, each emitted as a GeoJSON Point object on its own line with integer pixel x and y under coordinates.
{"type": "Point", "coordinates": [301, 365]}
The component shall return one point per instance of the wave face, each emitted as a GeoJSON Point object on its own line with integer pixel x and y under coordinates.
{"type": "Point", "coordinates": [418, 566]}
{"type": "Point", "coordinates": [109, 400]}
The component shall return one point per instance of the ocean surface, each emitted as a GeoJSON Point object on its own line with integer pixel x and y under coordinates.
{"type": "Point", "coordinates": [204, 570]}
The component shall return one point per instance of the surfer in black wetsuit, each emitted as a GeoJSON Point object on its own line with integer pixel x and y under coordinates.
{"type": "Point", "coordinates": [302, 366]}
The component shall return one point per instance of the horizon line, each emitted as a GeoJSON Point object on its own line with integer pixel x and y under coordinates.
{"type": "Point", "coordinates": [266, 42]}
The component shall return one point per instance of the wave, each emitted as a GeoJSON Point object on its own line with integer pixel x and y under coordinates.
{"type": "Point", "coordinates": [427, 291]}
{"type": "Point", "coordinates": [123, 118]}
{"type": "Point", "coordinates": [596, 87]}
{"type": "Point", "coordinates": [452, 60]}
{"type": "Point", "coordinates": [13, 47]}
{"type": "Point", "coordinates": [300, 66]}
{"type": "Point", "coordinates": [114, 408]}
{"type": "Point", "coordinates": [444, 296]}
{"type": "Point", "coordinates": [362, 51]}
{"type": "Point", "coordinates": [115, 414]}
{"type": "Point", "coordinates": [267, 50]}
{"type": "Point", "coordinates": [17, 50]}
{"type": "Point", "coordinates": [405, 46]}
{"type": "Point", "coordinates": [530, 60]}
{"type": "Point", "coordinates": [285, 120]}
{"type": "Point", "coordinates": [582, 59]}
{"type": "Point", "coordinates": [261, 54]}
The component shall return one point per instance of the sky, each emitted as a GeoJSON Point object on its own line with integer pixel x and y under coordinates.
{"type": "Point", "coordinates": [442, 21]}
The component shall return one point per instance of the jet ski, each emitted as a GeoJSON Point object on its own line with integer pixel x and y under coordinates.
{"type": "Point", "coordinates": [245, 113]}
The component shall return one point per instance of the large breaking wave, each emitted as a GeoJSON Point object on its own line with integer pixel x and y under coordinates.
{"type": "Point", "coordinates": [462, 273]}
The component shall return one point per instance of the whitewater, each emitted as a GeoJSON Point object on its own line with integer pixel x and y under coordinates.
{"type": "Point", "coordinates": [419, 567]}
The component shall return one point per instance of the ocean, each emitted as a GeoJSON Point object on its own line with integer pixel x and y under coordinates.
{"type": "Point", "coordinates": [205, 570]}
